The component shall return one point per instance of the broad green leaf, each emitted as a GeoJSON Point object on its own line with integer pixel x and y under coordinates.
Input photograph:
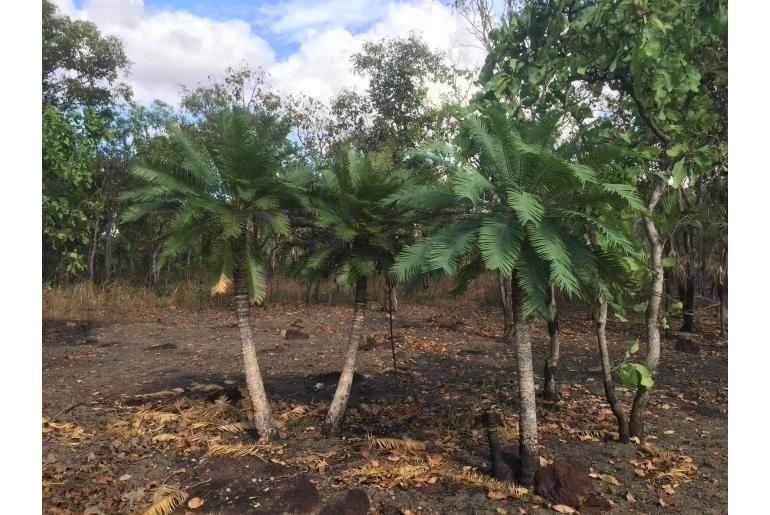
{"type": "Point", "coordinates": [678, 173]}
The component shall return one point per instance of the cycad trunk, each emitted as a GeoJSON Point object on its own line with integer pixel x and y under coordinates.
{"type": "Point", "coordinates": [527, 407]}
{"type": "Point", "coordinates": [552, 361]}
{"type": "Point", "coordinates": [333, 423]}
{"type": "Point", "coordinates": [600, 318]}
{"type": "Point", "coordinates": [263, 420]}
{"type": "Point", "coordinates": [504, 283]}
{"type": "Point", "coordinates": [636, 424]}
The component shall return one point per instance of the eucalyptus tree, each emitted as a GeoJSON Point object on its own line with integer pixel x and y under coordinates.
{"type": "Point", "coordinates": [81, 67]}
{"type": "Point", "coordinates": [518, 210]}
{"type": "Point", "coordinates": [81, 71]}
{"type": "Point", "coordinates": [399, 72]}
{"type": "Point", "coordinates": [654, 76]}
{"type": "Point", "coordinates": [356, 235]}
{"type": "Point", "coordinates": [224, 197]}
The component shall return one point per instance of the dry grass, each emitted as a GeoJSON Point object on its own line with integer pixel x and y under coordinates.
{"type": "Point", "coordinates": [86, 301]}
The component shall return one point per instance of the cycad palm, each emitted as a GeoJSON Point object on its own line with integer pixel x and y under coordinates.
{"type": "Point", "coordinates": [358, 235]}
{"type": "Point", "coordinates": [224, 198]}
{"type": "Point", "coordinates": [520, 210]}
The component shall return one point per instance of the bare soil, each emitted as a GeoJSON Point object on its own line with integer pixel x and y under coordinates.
{"type": "Point", "coordinates": [452, 368]}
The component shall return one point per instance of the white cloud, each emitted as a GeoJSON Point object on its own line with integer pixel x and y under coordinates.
{"type": "Point", "coordinates": [170, 48]}
{"type": "Point", "coordinates": [292, 20]}
{"type": "Point", "coordinates": [173, 48]}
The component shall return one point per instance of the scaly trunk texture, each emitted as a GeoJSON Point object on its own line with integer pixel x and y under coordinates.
{"type": "Point", "coordinates": [636, 425]}
{"type": "Point", "coordinates": [263, 420]}
{"type": "Point", "coordinates": [333, 423]}
{"type": "Point", "coordinates": [689, 305]}
{"type": "Point", "coordinates": [552, 361]}
{"type": "Point", "coordinates": [527, 408]}
{"type": "Point", "coordinates": [600, 317]}
{"type": "Point", "coordinates": [504, 282]}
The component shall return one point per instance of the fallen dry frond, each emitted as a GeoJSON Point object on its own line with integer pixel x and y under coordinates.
{"type": "Point", "coordinates": [471, 477]}
{"type": "Point", "coordinates": [401, 444]}
{"type": "Point", "coordinates": [159, 394]}
{"type": "Point", "coordinates": [240, 450]}
{"type": "Point", "coordinates": [671, 468]}
{"type": "Point", "coordinates": [67, 430]}
{"type": "Point", "coordinates": [386, 475]}
{"type": "Point", "coordinates": [294, 413]}
{"type": "Point", "coordinates": [165, 437]}
{"type": "Point", "coordinates": [235, 427]}
{"type": "Point", "coordinates": [594, 434]}
{"type": "Point", "coordinates": [165, 500]}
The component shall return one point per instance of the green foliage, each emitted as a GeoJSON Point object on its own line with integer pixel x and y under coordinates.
{"type": "Point", "coordinates": [664, 63]}
{"type": "Point", "coordinates": [525, 209]}
{"type": "Point", "coordinates": [356, 229]}
{"type": "Point", "coordinates": [81, 67]}
{"type": "Point", "coordinates": [632, 374]}
{"type": "Point", "coordinates": [375, 307]}
{"type": "Point", "coordinates": [225, 197]}
{"type": "Point", "coordinates": [399, 71]}
{"type": "Point", "coordinates": [69, 204]}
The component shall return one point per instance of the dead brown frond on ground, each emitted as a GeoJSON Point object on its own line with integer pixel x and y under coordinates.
{"type": "Point", "coordinates": [602, 435]}
{"type": "Point", "coordinates": [294, 413]}
{"type": "Point", "coordinates": [671, 469]}
{"type": "Point", "coordinates": [403, 444]}
{"type": "Point", "coordinates": [408, 460]}
{"type": "Point", "coordinates": [386, 475]}
{"type": "Point", "coordinates": [69, 431]}
{"type": "Point", "coordinates": [471, 477]}
{"type": "Point", "coordinates": [241, 450]}
{"type": "Point", "coordinates": [164, 500]}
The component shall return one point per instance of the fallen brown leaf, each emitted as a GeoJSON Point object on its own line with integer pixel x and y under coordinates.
{"type": "Point", "coordinates": [195, 502]}
{"type": "Point", "coordinates": [563, 508]}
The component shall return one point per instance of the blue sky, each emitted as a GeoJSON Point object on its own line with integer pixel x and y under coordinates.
{"type": "Point", "coordinates": [304, 45]}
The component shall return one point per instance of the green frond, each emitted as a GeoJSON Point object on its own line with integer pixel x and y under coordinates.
{"type": "Point", "coordinates": [466, 273]}
{"type": "Point", "coordinates": [549, 246]}
{"type": "Point", "coordinates": [500, 242]}
{"type": "Point", "coordinates": [470, 184]}
{"type": "Point", "coordinates": [254, 275]}
{"type": "Point", "coordinates": [527, 207]}
{"type": "Point", "coordinates": [138, 211]}
{"type": "Point", "coordinates": [449, 245]}
{"type": "Point", "coordinates": [163, 180]}
{"type": "Point", "coordinates": [533, 279]}
{"type": "Point", "coordinates": [177, 240]}
{"type": "Point", "coordinates": [584, 174]}
{"type": "Point", "coordinates": [421, 196]}
{"type": "Point", "coordinates": [278, 222]}
{"type": "Point", "coordinates": [412, 260]}
{"type": "Point", "coordinates": [628, 193]}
